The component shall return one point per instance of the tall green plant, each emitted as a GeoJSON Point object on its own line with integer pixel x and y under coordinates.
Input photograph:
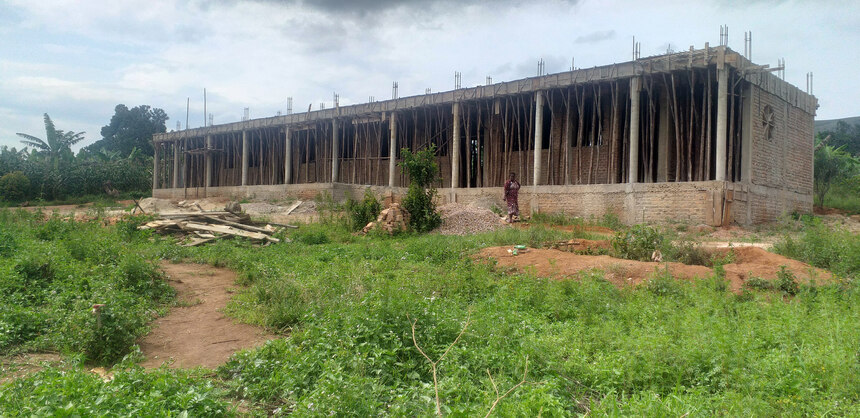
{"type": "Point", "coordinates": [422, 170]}
{"type": "Point", "coordinates": [57, 143]}
{"type": "Point", "coordinates": [832, 165]}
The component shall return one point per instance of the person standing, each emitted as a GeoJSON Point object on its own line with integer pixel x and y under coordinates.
{"type": "Point", "coordinates": [512, 191]}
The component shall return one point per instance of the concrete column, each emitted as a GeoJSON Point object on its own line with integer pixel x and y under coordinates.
{"type": "Point", "coordinates": [335, 150]}
{"type": "Point", "coordinates": [455, 149]}
{"type": "Point", "coordinates": [176, 156]}
{"type": "Point", "coordinates": [722, 124]}
{"type": "Point", "coordinates": [246, 147]}
{"type": "Point", "coordinates": [288, 156]}
{"type": "Point", "coordinates": [633, 164]}
{"type": "Point", "coordinates": [392, 148]}
{"type": "Point", "coordinates": [664, 133]}
{"type": "Point", "coordinates": [538, 136]}
{"type": "Point", "coordinates": [155, 166]}
{"type": "Point", "coordinates": [208, 161]}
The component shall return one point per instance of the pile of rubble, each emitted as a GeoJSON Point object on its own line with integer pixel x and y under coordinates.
{"type": "Point", "coordinates": [459, 219]}
{"type": "Point", "coordinates": [207, 226]}
{"type": "Point", "coordinates": [391, 220]}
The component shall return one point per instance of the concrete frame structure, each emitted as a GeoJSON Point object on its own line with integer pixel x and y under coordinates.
{"type": "Point", "coordinates": [705, 136]}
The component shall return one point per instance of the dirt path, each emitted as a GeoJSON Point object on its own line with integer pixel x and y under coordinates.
{"type": "Point", "coordinates": [197, 333]}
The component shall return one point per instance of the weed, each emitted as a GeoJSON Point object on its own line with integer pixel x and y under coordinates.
{"type": "Point", "coordinates": [637, 242]}
{"type": "Point", "coordinates": [786, 282]}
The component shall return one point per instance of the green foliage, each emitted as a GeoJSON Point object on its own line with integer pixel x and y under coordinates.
{"type": "Point", "coordinates": [637, 242]}
{"type": "Point", "coordinates": [759, 283]}
{"type": "Point", "coordinates": [422, 170]}
{"type": "Point", "coordinates": [363, 212]}
{"type": "Point", "coordinates": [131, 129]}
{"type": "Point", "coordinates": [832, 165]}
{"type": "Point", "coordinates": [14, 186]}
{"type": "Point", "coordinates": [837, 250]}
{"type": "Point", "coordinates": [131, 392]}
{"type": "Point", "coordinates": [54, 271]}
{"type": "Point", "coordinates": [786, 282]}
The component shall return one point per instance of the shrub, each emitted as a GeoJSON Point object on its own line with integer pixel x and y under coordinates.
{"type": "Point", "coordinates": [363, 212]}
{"type": "Point", "coordinates": [786, 281]}
{"type": "Point", "coordinates": [637, 242]}
{"type": "Point", "coordinates": [422, 170]}
{"type": "Point", "coordinates": [758, 283]}
{"type": "Point", "coordinates": [14, 186]}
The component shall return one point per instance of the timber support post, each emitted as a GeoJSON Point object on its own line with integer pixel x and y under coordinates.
{"type": "Point", "coordinates": [392, 148]}
{"type": "Point", "coordinates": [176, 156]}
{"type": "Point", "coordinates": [208, 162]}
{"type": "Point", "coordinates": [635, 93]}
{"type": "Point", "coordinates": [246, 147]}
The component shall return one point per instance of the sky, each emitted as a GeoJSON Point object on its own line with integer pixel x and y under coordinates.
{"type": "Point", "coordinates": [76, 60]}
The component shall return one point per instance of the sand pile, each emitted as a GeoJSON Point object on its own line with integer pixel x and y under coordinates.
{"type": "Point", "coordinates": [459, 219]}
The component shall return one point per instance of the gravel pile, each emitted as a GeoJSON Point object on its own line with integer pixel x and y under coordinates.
{"type": "Point", "coordinates": [459, 219]}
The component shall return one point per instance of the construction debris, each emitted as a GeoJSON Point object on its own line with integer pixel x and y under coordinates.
{"type": "Point", "coordinates": [202, 227]}
{"type": "Point", "coordinates": [391, 220]}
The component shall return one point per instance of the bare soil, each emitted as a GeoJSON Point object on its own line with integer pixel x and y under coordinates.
{"type": "Point", "coordinates": [18, 366]}
{"type": "Point", "coordinates": [749, 262]}
{"type": "Point", "coordinates": [196, 332]}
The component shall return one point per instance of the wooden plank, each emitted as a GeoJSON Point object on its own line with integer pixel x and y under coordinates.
{"type": "Point", "coordinates": [227, 230]}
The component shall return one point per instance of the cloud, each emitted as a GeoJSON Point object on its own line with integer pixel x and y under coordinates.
{"type": "Point", "coordinates": [593, 37]}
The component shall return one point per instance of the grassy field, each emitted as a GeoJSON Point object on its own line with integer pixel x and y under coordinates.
{"type": "Point", "coordinates": [346, 306]}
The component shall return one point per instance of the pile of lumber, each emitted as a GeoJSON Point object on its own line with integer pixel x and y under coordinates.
{"type": "Point", "coordinates": [202, 227]}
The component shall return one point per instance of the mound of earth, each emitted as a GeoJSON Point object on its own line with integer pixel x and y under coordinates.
{"type": "Point", "coordinates": [459, 219]}
{"type": "Point", "coordinates": [197, 333]}
{"type": "Point", "coordinates": [749, 262]}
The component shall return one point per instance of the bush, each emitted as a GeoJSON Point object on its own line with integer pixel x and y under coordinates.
{"type": "Point", "coordinates": [422, 170]}
{"type": "Point", "coordinates": [786, 281]}
{"type": "Point", "coordinates": [363, 212]}
{"type": "Point", "coordinates": [637, 242]}
{"type": "Point", "coordinates": [14, 186]}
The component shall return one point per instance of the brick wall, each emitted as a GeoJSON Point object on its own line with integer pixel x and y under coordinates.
{"type": "Point", "coordinates": [781, 167]}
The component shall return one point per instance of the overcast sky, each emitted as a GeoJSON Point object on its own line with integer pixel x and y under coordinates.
{"type": "Point", "coordinates": [76, 60]}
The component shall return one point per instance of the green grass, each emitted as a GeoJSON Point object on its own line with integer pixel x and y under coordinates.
{"type": "Point", "coordinates": [844, 197]}
{"type": "Point", "coordinates": [347, 303]}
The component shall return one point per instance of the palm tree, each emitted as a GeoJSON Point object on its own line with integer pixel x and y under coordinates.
{"type": "Point", "coordinates": [56, 144]}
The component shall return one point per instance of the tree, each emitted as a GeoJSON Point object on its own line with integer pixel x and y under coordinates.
{"type": "Point", "coordinates": [845, 135]}
{"type": "Point", "coordinates": [130, 129]}
{"type": "Point", "coordinates": [831, 165]}
{"type": "Point", "coordinates": [56, 145]}
{"type": "Point", "coordinates": [422, 170]}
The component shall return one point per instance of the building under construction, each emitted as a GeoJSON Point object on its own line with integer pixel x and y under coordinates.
{"type": "Point", "coordinates": [704, 136]}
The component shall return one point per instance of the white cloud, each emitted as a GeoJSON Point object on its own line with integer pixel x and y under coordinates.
{"type": "Point", "coordinates": [85, 57]}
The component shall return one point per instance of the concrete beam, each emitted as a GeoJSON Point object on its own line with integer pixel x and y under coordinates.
{"type": "Point", "coordinates": [335, 151]}
{"type": "Point", "coordinates": [288, 156]}
{"type": "Point", "coordinates": [155, 173]}
{"type": "Point", "coordinates": [392, 148]}
{"type": "Point", "coordinates": [722, 124]}
{"type": "Point", "coordinates": [455, 148]}
{"type": "Point", "coordinates": [538, 145]}
{"type": "Point", "coordinates": [246, 146]}
{"type": "Point", "coordinates": [633, 164]}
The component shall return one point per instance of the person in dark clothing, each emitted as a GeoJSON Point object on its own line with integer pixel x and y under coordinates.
{"type": "Point", "coordinates": [512, 191]}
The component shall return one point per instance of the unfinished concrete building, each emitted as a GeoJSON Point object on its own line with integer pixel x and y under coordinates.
{"type": "Point", "coordinates": [703, 136]}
